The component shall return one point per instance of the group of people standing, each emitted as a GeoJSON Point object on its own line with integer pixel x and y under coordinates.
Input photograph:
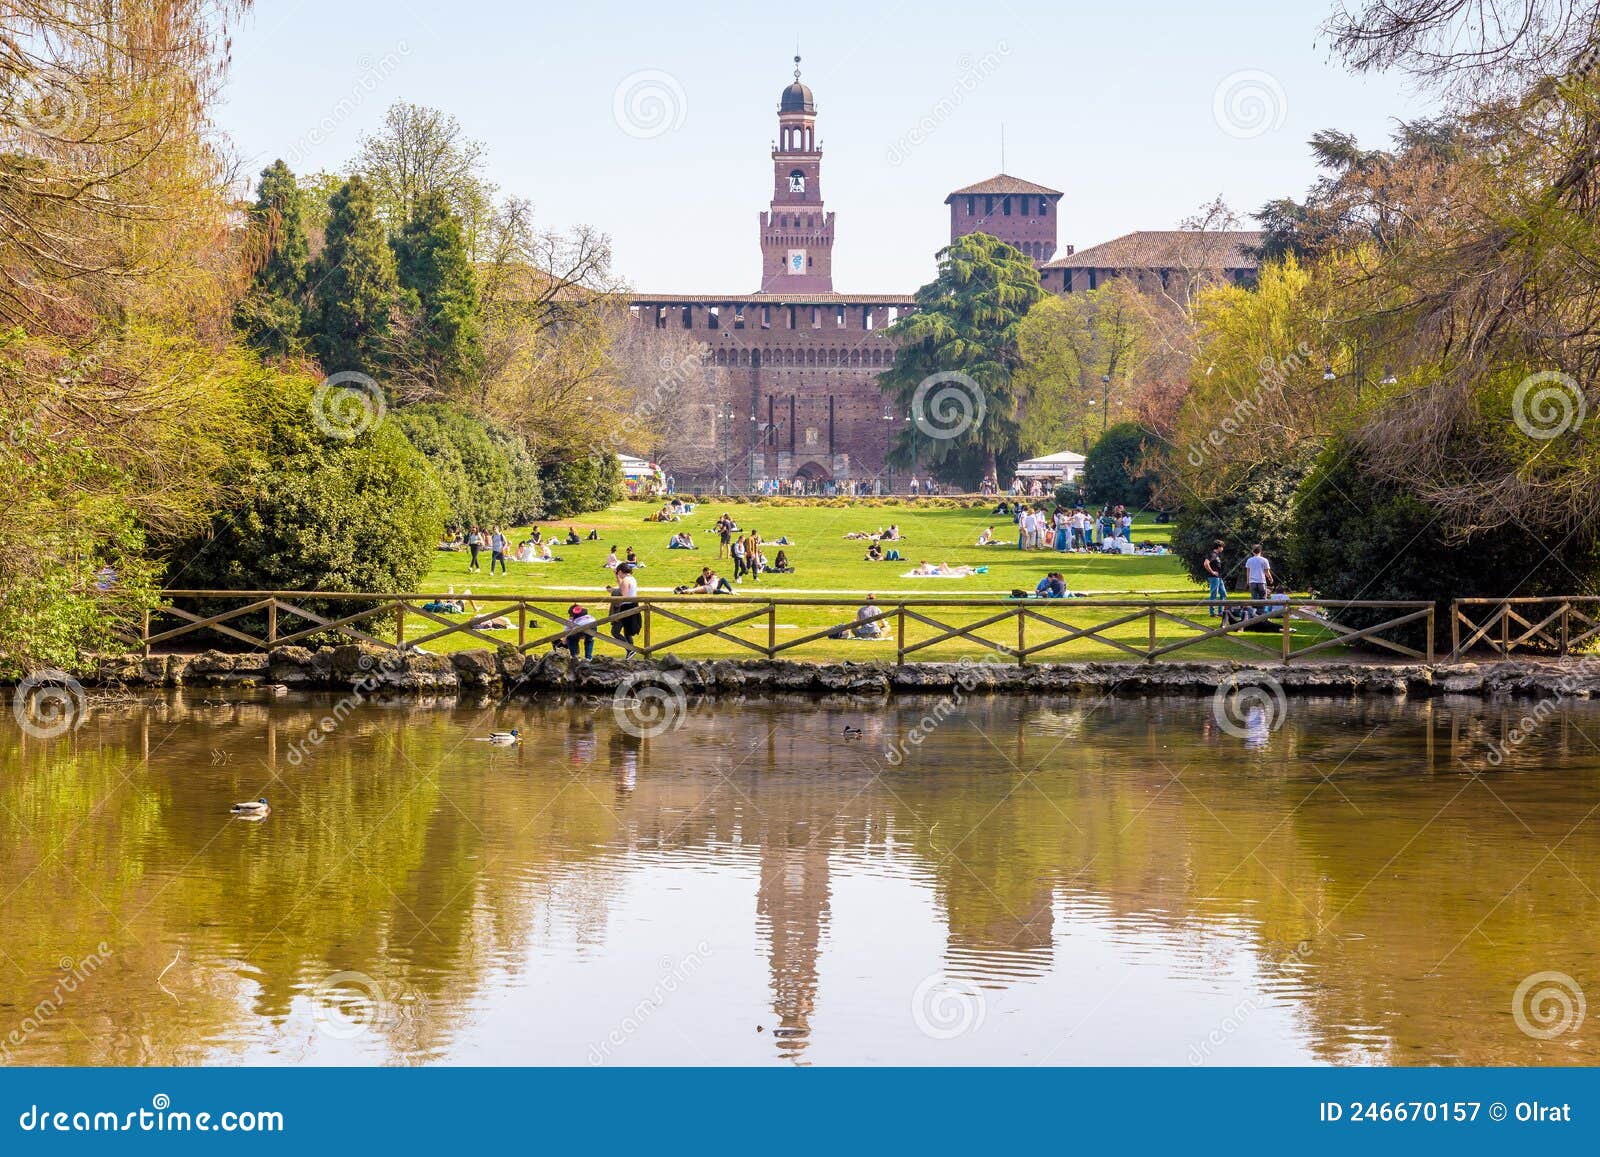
{"type": "Point", "coordinates": [1066, 530]}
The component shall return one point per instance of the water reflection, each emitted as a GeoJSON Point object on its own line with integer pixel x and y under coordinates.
{"type": "Point", "coordinates": [1075, 881]}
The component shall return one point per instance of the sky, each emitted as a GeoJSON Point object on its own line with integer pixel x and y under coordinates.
{"type": "Point", "coordinates": [653, 122]}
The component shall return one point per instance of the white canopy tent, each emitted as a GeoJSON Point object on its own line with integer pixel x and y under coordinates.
{"type": "Point", "coordinates": [1064, 465]}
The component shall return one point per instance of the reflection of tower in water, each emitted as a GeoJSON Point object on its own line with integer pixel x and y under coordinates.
{"type": "Point", "coordinates": [792, 913]}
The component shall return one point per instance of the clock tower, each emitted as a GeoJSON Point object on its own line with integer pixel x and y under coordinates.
{"type": "Point", "coordinates": [796, 232]}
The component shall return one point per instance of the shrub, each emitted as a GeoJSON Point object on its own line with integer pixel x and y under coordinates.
{"type": "Point", "coordinates": [578, 485]}
{"type": "Point", "coordinates": [1260, 509]}
{"type": "Point", "coordinates": [1354, 538]}
{"type": "Point", "coordinates": [486, 473]}
{"type": "Point", "coordinates": [1115, 469]}
{"type": "Point", "coordinates": [316, 512]}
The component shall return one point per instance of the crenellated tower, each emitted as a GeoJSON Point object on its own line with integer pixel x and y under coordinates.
{"type": "Point", "coordinates": [796, 232]}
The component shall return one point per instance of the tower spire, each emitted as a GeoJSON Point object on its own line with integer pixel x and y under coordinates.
{"type": "Point", "coordinates": [797, 58]}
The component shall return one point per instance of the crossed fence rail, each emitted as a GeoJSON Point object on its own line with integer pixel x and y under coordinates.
{"type": "Point", "coordinates": [1140, 629]}
{"type": "Point", "coordinates": [1559, 624]}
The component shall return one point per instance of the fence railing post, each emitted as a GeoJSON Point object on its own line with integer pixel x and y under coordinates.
{"type": "Point", "coordinates": [772, 629]}
{"type": "Point", "coordinates": [1455, 629]}
{"type": "Point", "coordinates": [1150, 648]}
{"type": "Point", "coordinates": [1505, 630]}
{"type": "Point", "coordinates": [644, 609]}
{"type": "Point", "coordinates": [1566, 608]}
{"type": "Point", "coordinates": [522, 624]}
{"type": "Point", "coordinates": [1022, 637]}
{"type": "Point", "coordinates": [1288, 639]}
{"type": "Point", "coordinates": [272, 624]}
{"type": "Point", "coordinates": [144, 630]}
{"type": "Point", "coordinates": [400, 626]}
{"type": "Point", "coordinates": [1431, 623]}
{"type": "Point", "coordinates": [900, 635]}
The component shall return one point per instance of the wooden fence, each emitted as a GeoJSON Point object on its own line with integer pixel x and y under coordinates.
{"type": "Point", "coordinates": [1561, 625]}
{"type": "Point", "coordinates": [1021, 630]}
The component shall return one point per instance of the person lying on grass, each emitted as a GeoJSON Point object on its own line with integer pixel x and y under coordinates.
{"type": "Point", "coordinates": [927, 569]}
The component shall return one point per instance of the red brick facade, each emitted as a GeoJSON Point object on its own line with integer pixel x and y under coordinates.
{"type": "Point", "coordinates": [795, 393]}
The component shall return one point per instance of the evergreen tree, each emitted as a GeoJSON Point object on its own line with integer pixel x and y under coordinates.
{"type": "Point", "coordinates": [953, 371]}
{"type": "Point", "coordinates": [270, 315]}
{"type": "Point", "coordinates": [356, 284]}
{"type": "Point", "coordinates": [445, 344]}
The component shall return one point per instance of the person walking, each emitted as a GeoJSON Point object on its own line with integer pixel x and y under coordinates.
{"type": "Point", "coordinates": [474, 544]}
{"type": "Point", "coordinates": [497, 550]}
{"type": "Point", "coordinates": [739, 560]}
{"type": "Point", "coordinates": [1259, 573]}
{"type": "Point", "coordinates": [1214, 579]}
{"type": "Point", "coordinates": [625, 617]}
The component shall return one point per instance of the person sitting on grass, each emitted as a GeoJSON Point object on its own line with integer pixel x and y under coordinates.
{"type": "Point", "coordinates": [868, 626]}
{"type": "Point", "coordinates": [546, 554]}
{"type": "Point", "coordinates": [1052, 586]}
{"type": "Point", "coordinates": [580, 626]}
{"type": "Point", "coordinates": [612, 561]}
{"type": "Point", "coordinates": [986, 537]}
{"type": "Point", "coordinates": [681, 541]}
{"type": "Point", "coordinates": [633, 560]}
{"type": "Point", "coordinates": [594, 535]}
{"type": "Point", "coordinates": [874, 553]}
{"type": "Point", "coordinates": [572, 536]}
{"type": "Point", "coordinates": [780, 565]}
{"type": "Point", "coordinates": [711, 583]}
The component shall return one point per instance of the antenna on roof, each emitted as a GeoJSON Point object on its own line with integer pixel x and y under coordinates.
{"type": "Point", "coordinates": [797, 58]}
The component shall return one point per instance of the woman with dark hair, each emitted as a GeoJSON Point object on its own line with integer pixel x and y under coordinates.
{"type": "Point", "coordinates": [626, 621]}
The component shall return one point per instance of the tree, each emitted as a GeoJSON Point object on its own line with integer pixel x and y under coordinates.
{"type": "Point", "coordinates": [444, 346]}
{"type": "Point", "coordinates": [270, 315]}
{"type": "Point", "coordinates": [356, 286]}
{"type": "Point", "coordinates": [1081, 356]}
{"type": "Point", "coordinates": [955, 364]}
{"type": "Point", "coordinates": [581, 483]}
{"type": "Point", "coordinates": [420, 152]}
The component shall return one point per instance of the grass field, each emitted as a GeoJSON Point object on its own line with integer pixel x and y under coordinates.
{"type": "Point", "coordinates": [829, 565]}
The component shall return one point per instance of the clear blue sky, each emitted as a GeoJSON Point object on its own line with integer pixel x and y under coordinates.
{"type": "Point", "coordinates": [1115, 104]}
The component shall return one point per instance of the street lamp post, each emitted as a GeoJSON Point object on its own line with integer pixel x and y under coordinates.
{"type": "Point", "coordinates": [1105, 402]}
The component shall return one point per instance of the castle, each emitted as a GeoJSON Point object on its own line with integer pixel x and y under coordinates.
{"type": "Point", "coordinates": [791, 383]}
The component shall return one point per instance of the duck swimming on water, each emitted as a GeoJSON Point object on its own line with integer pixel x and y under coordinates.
{"type": "Point", "coordinates": [851, 732]}
{"type": "Point", "coordinates": [252, 808]}
{"type": "Point", "coordinates": [504, 738]}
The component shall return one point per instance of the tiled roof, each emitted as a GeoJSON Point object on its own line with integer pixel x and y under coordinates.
{"type": "Point", "coordinates": [771, 299]}
{"type": "Point", "coordinates": [1168, 249]}
{"type": "Point", "coordinates": [1003, 183]}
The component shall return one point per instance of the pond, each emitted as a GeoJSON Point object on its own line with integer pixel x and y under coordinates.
{"type": "Point", "coordinates": [977, 881]}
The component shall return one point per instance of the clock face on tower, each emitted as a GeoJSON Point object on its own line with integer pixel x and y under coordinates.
{"type": "Point", "coordinates": [796, 262]}
{"type": "Point", "coordinates": [797, 182]}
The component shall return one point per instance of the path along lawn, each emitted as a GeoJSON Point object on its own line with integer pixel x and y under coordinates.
{"type": "Point", "coordinates": [829, 565]}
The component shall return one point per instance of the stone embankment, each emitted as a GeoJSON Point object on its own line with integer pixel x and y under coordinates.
{"type": "Point", "coordinates": [510, 673]}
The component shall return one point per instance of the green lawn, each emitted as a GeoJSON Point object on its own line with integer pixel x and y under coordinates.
{"type": "Point", "coordinates": [826, 564]}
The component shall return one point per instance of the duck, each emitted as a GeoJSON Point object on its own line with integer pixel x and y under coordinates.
{"type": "Point", "coordinates": [253, 808]}
{"type": "Point", "coordinates": [851, 732]}
{"type": "Point", "coordinates": [505, 737]}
